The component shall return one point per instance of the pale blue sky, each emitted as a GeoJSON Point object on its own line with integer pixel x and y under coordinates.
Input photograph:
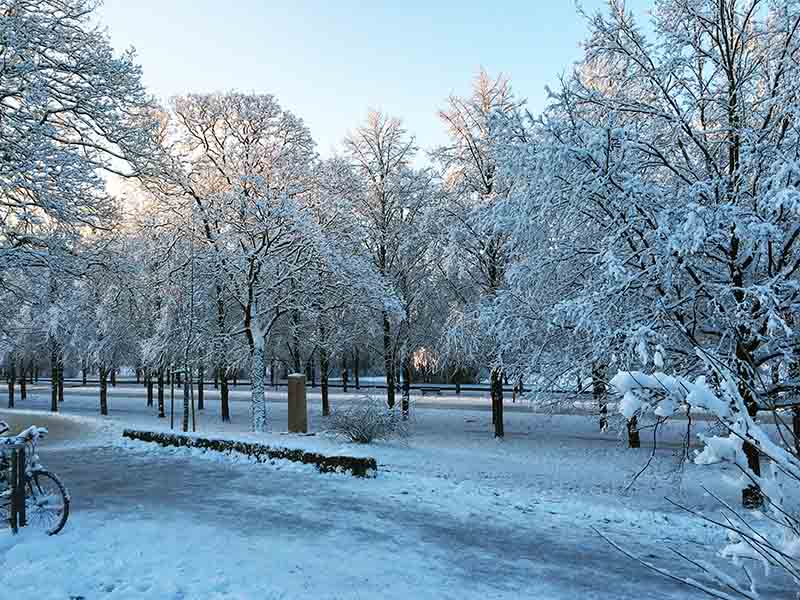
{"type": "Point", "coordinates": [330, 61]}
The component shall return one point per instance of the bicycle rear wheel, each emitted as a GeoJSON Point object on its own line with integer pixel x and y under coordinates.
{"type": "Point", "coordinates": [46, 503]}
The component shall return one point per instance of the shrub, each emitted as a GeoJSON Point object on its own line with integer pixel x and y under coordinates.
{"type": "Point", "coordinates": [366, 420]}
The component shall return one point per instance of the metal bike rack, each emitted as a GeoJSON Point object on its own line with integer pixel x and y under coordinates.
{"type": "Point", "coordinates": [17, 516]}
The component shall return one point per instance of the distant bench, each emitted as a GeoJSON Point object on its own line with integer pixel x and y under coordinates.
{"type": "Point", "coordinates": [431, 390]}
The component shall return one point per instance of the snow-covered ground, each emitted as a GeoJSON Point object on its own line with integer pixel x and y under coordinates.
{"type": "Point", "coordinates": [453, 513]}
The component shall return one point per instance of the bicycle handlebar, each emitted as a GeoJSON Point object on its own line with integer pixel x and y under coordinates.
{"type": "Point", "coordinates": [31, 434]}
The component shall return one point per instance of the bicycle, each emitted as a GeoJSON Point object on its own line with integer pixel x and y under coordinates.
{"type": "Point", "coordinates": [46, 498]}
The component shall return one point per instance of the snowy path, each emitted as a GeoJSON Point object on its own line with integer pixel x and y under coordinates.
{"type": "Point", "coordinates": [402, 541]}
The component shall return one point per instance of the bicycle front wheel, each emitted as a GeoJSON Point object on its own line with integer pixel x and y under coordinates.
{"type": "Point", "coordinates": [46, 502]}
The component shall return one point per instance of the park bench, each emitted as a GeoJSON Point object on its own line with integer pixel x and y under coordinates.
{"type": "Point", "coordinates": [431, 390]}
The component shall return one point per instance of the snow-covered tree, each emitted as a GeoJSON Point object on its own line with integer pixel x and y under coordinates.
{"type": "Point", "coordinates": [71, 109]}
{"type": "Point", "coordinates": [477, 247]}
{"type": "Point", "coordinates": [659, 191]}
{"type": "Point", "coordinates": [392, 211]}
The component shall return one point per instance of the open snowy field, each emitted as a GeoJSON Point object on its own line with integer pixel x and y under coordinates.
{"type": "Point", "coordinates": [453, 513]}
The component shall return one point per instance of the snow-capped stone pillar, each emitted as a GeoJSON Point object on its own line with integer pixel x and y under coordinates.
{"type": "Point", "coordinates": [298, 410]}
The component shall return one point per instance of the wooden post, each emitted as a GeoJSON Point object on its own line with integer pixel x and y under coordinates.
{"type": "Point", "coordinates": [298, 411]}
{"type": "Point", "coordinates": [22, 518]}
{"type": "Point", "coordinates": [13, 517]}
{"type": "Point", "coordinates": [17, 516]}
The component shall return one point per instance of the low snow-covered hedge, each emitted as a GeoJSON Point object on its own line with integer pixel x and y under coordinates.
{"type": "Point", "coordinates": [357, 466]}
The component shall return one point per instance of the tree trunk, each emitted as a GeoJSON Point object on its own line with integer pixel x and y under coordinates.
{"type": "Point", "coordinates": [796, 430]}
{"type": "Point", "coordinates": [324, 365]}
{"type": "Point", "coordinates": [258, 408]}
{"type": "Point", "coordinates": [405, 402]}
{"type": "Point", "coordinates": [216, 378]}
{"type": "Point", "coordinates": [388, 361]}
{"type": "Point", "coordinates": [53, 378]}
{"type": "Point", "coordinates": [12, 377]}
{"type": "Point", "coordinates": [103, 390]}
{"type": "Point", "coordinates": [223, 395]}
{"type": "Point", "coordinates": [497, 401]}
{"type": "Point", "coordinates": [356, 368]}
{"type": "Point", "coordinates": [172, 397]}
{"type": "Point", "coordinates": [23, 388]}
{"type": "Point", "coordinates": [161, 411]}
{"type": "Point", "coordinates": [200, 390]}
{"type": "Point", "coordinates": [600, 392]}
{"type": "Point", "coordinates": [84, 370]}
{"type": "Point", "coordinates": [60, 380]}
{"type": "Point", "coordinates": [187, 384]}
{"type": "Point", "coordinates": [752, 497]}
{"type": "Point", "coordinates": [113, 376]}
{"type": "Point", "coordinates": [148, 381]}
{"type": "Point", "coordinates": [633, 433]}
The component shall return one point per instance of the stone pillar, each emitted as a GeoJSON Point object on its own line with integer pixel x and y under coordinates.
{"type": "Point", "coordinates": [298, 412]}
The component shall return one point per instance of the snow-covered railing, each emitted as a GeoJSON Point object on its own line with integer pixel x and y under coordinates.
{"type": "Point", "coordinates": [357, 466]}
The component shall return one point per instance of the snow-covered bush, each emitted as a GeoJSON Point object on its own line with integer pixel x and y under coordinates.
{"type": "Point", "coordinates": [367, 420]}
